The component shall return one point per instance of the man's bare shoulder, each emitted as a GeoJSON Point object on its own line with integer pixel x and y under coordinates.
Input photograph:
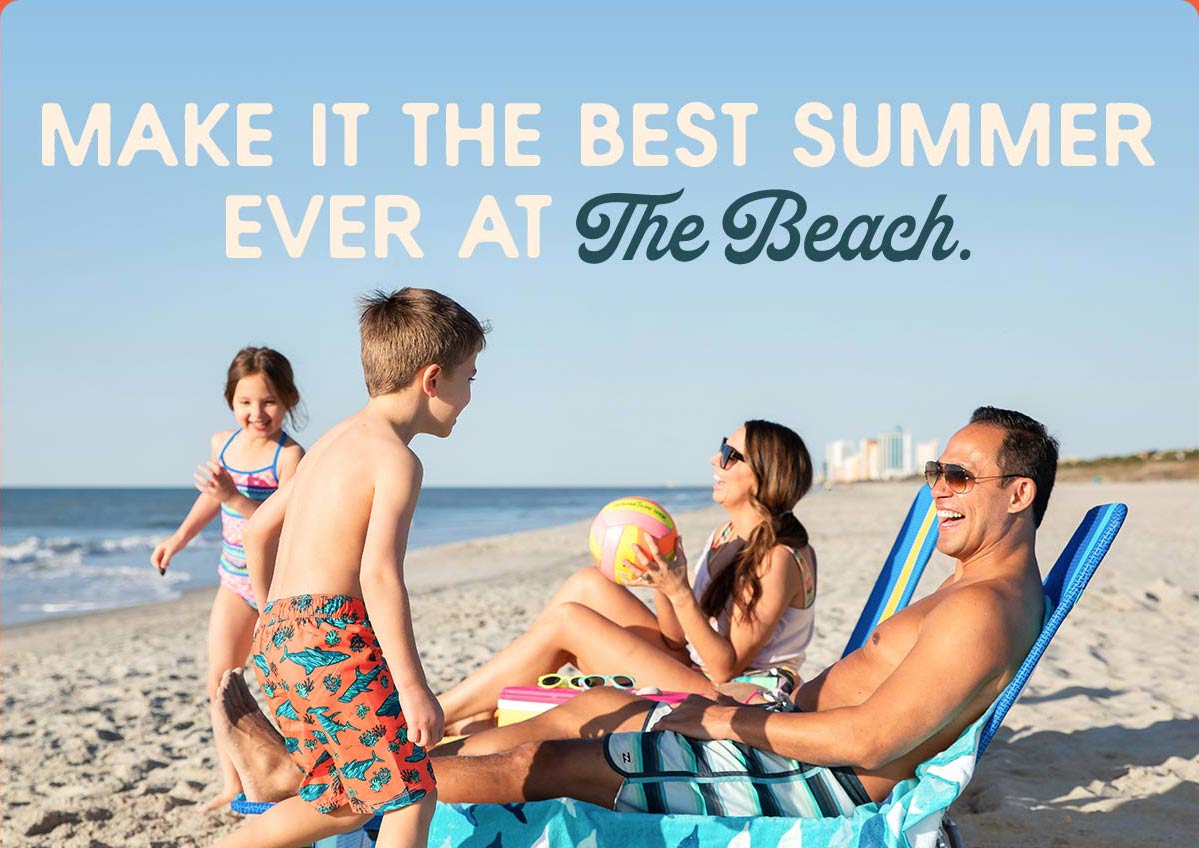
{"type": "Point", "coordinates": [988, 617]}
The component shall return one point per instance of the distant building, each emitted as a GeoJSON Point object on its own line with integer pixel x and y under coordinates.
{"type": "Point", "coordinates": [872, 460]}
{"type": "Point", "coordinates": [895, 451]}
{"type": "Point", "coordinates": [838, 461]}
{"type": "Point", "coordinates": [889, 457]}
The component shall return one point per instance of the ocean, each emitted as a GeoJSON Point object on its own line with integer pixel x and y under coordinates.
{"type": "Point", "coordinates": [69, 551]}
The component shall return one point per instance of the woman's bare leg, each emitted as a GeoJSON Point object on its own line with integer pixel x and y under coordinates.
{"type": "Point", "coordinates": [590, 714]}
{"type": "Point", "coordinates": [613, 601]}
{"type": "Point", "coordinates": [571, 632]}
{"type": "Point", "coordinates": [473, 700]}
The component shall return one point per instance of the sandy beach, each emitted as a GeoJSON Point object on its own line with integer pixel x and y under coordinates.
{"type": "Point", "coordinates": [105, 737]}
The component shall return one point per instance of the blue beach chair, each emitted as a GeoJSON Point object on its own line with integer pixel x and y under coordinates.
{"type": "Point", "coordinates": [902, 570]}
{"type": "Point", "coordinates": [913, 815]}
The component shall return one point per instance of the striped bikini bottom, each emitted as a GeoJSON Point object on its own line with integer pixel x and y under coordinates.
{"type": "Point", "coordinates": [667, 773]}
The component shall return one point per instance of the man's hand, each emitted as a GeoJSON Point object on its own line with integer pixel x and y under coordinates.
{"type": "Point", "coordinates": [422, 712]}
{"type": "Point", "coordinates": [698, 718]}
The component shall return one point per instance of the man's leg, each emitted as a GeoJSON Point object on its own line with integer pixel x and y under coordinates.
{"type": "Point", "coordinates": [534, 771]}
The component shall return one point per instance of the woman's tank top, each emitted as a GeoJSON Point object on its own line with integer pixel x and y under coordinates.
{"type": "Point", "coordinates": [792, 633]}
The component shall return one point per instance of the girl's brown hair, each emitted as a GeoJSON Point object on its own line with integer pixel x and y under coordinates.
{"type": "Point", "coordinates": [274, 366]}
{"type": "Point", "coordinates": [782, 470]}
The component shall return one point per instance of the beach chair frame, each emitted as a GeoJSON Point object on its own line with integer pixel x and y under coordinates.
{"type": "Point", "coordinates": [1063, 587]}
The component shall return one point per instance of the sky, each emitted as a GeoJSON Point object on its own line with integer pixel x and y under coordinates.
{"type": "Point", "coordinates": [120, 310]}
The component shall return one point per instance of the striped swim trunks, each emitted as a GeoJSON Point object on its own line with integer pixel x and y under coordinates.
{"type": "Point", "coordinates": [667, 773]}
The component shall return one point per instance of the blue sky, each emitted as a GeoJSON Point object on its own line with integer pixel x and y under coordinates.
{"type": "Point", "coordinates": [121, 312]}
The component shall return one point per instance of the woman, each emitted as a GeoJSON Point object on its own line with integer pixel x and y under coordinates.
{"type": "Point", "coordinates": [748, 603]}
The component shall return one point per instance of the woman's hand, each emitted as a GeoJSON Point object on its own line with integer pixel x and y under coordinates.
{"type": "Point", "coordinates": [667, 576]}
{"type": "Point", "coordinates": [213, 480]}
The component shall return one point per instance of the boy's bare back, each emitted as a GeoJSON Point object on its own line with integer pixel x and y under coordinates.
{"type": "Point", "coordinates": [328, 516]}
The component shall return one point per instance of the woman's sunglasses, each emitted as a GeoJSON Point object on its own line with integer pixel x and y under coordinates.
{"type": "Point", "coordinates": [958, 479]}
{"type": "Point", "coordinates": [585, 681]}
{"type": "Point", "coordinates": [729, 454]}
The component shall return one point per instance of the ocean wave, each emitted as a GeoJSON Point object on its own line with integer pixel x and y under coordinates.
{"type": "Point", "coordinates": [67, 552]}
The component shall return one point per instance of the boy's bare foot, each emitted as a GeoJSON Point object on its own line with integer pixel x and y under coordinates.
{"type": "Point", "coordinates": [253, 744]}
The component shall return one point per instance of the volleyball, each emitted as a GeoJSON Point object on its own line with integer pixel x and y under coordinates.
{"type": "Point", "coordinates": [623, 524]}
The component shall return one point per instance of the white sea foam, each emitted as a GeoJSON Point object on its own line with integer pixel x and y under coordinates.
{"type": "Point", "coordinates": [65, 551]}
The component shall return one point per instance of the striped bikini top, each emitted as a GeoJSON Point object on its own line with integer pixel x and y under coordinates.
{"type": "Point", "coordinates": [257, 485]}
{"type": "Point", "coordinates": [792, 633]}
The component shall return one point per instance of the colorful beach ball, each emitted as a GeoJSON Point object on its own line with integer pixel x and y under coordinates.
{"type": "Point", "coordinates": [623, 524]}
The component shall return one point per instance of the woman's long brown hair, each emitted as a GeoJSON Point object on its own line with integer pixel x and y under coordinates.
{"type": "Point", "coordinates": [782, 470]}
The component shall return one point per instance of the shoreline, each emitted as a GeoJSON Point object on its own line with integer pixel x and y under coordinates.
{"type": "Point", "coordinates": [105, 726]}
{"type": "Point", "coordinates": [419, 575]}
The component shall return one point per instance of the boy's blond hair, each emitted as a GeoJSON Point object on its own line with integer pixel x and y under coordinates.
{"type": "Point", "coordinates": [408, 329]}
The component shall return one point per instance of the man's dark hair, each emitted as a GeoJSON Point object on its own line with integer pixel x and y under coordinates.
{"type": "Point", "coordinates": [1027, 451]}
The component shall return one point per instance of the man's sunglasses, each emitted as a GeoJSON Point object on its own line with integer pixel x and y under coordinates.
{"type": "Point", "coordinates": [585, 681]}
{"type": "Point", "coordinates": [729, 454]}
{"type": "Point", "coordinates": [958, 479]}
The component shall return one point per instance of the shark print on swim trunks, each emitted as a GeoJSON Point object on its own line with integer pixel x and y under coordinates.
{"type": "Point", "coordinates": [330, 692]}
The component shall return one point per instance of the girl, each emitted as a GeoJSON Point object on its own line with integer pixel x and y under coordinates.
{"type": "Point", "coordinates": [748, 603]}
{"type": "Point", "coordinates": [261, 391]}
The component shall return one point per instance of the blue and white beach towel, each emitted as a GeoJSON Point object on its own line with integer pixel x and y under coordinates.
{"type": "Point", "coordinates": [909, 817]}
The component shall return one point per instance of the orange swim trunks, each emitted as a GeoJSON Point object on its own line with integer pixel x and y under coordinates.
{"type": "Point", "coordinates": [333, 698]}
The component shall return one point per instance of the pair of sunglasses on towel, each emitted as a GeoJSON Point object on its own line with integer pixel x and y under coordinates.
{"type": "Point", "coordinates": [585, 681]}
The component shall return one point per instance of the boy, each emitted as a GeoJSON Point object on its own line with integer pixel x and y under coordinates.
{"type": "Point", "coordinates": [334, 649]}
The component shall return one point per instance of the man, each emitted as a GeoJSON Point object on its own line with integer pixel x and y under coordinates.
{"type": "Point", "coordinates": [862, 725]}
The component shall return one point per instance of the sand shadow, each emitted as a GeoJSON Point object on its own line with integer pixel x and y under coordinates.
{"type": "Point", "coordinates": [1072, 692]}
{"type": "Point", "coordinates": [1168, 817]}
{"type": "Point", "coordinates": [1054, 764]}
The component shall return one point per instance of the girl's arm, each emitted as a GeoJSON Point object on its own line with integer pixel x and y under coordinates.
{"type": "Point", "coordinates": [203, 511]}
{"type": "Point", "coordinates": [724, 657]}
{"type": "Point", "coordinates": [214, 480]}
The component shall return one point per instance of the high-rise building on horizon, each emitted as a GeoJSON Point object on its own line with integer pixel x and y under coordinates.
{"type": "Point", "coordinates": [890, 456]}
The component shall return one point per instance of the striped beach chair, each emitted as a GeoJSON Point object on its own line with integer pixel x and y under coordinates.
{"type": "Point", "coordinates": [901, 570]}
{"type": "Point", "coordinates": [914, 815]}
{"type": "Point", "coordinates": [1063, 587]}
